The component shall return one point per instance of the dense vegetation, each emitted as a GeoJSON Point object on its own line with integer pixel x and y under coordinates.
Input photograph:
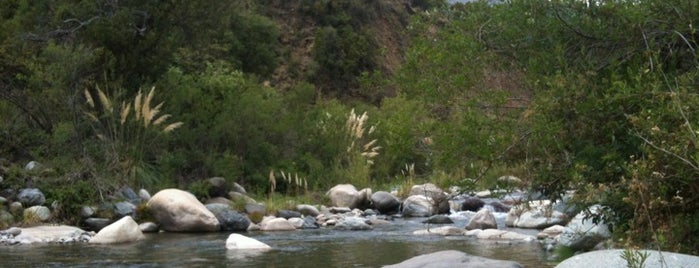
{"type": "Point", "coordinates": [597, 97]}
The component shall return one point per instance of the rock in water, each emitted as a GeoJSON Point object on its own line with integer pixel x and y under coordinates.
{"type": "Point", "coordinates": [418, 206]}
{"type": "Point", "coordinates": [582, 234]}
{"type": "Point", "coordinates": [238, 241]}
{"type": "Point", "coordinates": [612, 258]}
{"type": "Point", "coordinates": [121, 231]}
{"type": "Point", "coordinates": [385, 202]}
{"type": "Point", "coordinates": [453, 258]}
{"type": "Point", "coordinates": [484, 219]}
{"type": "Point", "coordinates": [180, 211]}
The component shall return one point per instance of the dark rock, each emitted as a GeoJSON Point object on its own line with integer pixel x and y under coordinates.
{"type": "Point", "coordinates": [283, 213]}
{"type": "Point", "coordinates": [499, 206]}
{"type": "Point", "coordinates": [96, 224]}
{"type": "Point", "coordinates": [307, 210]}
{"type": "Point", "coordinates": [385, 202]}
{"type": "Point", "coordinates": [229, 219]}
{"type": "Point", "coordinates": [453, 258]}
{"type": "Point", "coordinates": [472, 204]}
{"type": "Point", "coordinates": [439, 219]}
{"type": "Point", "coordinates": [31, 197]}
{"type": "Point", "coordinates": [218, 187]}
{"type": "Point", "coordinates": [309, 222]}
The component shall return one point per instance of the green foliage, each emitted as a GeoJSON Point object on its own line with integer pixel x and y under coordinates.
{"type": "Point", "coordinates": [634, 258]}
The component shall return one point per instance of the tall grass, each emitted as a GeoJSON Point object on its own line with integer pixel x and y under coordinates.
{"type": "Point", "coordinates": [361, 150]}
{"type": "Point", "coordinates": [128, 135]}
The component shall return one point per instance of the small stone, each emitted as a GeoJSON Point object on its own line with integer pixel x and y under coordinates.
{"type": "Point", "coordinates": [32, 166]}
{"type": "Point", "coordinates": [14, 231]}
{"type": "Point", "coordinates": [296, 222]}
{"type": "Point", "coordinates": [238, 242]}
{"type": "Point", "coordinates": [307, 210]}
{"type": "Point", "coordinates": [3, 200]}
{"type": "Point", "coordinates": [124, 208]}
{"type": "Point", "coordinates": [16, 207]}
{"type": "Point", "coordinates": [87, 211]}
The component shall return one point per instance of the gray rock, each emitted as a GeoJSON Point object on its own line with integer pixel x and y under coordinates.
{"type": "Point", "coordinates": [255, 208]}
{"type": "Point", "coordinates": [14, 231]}
{"type": "Point", "coordinates": [385, 202]}
{"type": "Point", "coordinates": [494, 234]}
{"type": "Point", "coordinates": [238, 188]}
{"type": "Point", "coordinates": [238, 197]}
{"type": "Point", "coordinates": [96, 224]}
{"type": "Point", "coordinates": [583, 234]}
{"type": "Point", "coordinates": [144, 195]}
{"type": "Point", "coordinates": [287, 214]}
{"type": "Point", "coordinates": [352, 224]}
{"type": "Point", "coordinates": [418, 206]}
{"type": "Point", "coordinates": [3, 201]}
{"type": "Point", "coordinates": [124, 208]}
{"type": "Point", "coordinates": [550, 232]}
{"type": "Point", "coordinates": [229, 219]}
{"type": "Point", "coordinates": [364, 198]}
{"type": "Point", "coordinates": [307, 210]}
{"type": "Point", "coordinates": [218, 200]}
{"type": "Point", "coordinates": [340, 210]}
{"type": "Point", "coordinates": [6, 218]}
{"type": "Point", "coordinates": [344, 195]}
{"type": "Point", "coordinates": [179, 211]}
{"type": "Point", "coordinates": [436, 194]}
{"type": "Point", "coordinates": [309, 222]}
{"type": "Point", "coordinates": [612, 258]}
{"type": "Point", "coordinates": [33, 166]}
{"type": "Point", "coordinates": [31, 197]}
{"type": "Point", "coordinates": [16, 207]}
{"type": "Point", "coordinates": [87, 211]}
{"type": "Point", "coordinates": [40, 213]}
{"type": "Point", "coordinates": [439, 219]}
{"type": "Point", "coordinates": [484, 219]}
{"type": "Point", "coordinates": [453, 258]}
{"type": "Point", "coordinates": [444, 231]}
{"type": "Point", "coordinates": [129, 195]}
{"type": "Point", "coordinates": [536, 215]}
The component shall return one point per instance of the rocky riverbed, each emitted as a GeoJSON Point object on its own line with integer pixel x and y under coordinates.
{"type": "Point", "coordinates": [513, 218]}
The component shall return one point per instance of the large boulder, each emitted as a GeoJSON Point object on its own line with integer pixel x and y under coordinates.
{"type": "Point", "coordinates": [537, 214]}
{"type": "Point", "coordinates": [121, 231]}
{"type": "Point", "coordinates": [238, 241]}
{"type": "Point", "coordinates": [31, 197]}
{"type": "Point", "coordinates": [385, 202]}
{"type": "Point", "coordinates": [438, 196]}
{"type": "Point", "coordinates": [344, 195]}
{"type": "Point", "coordinates": [229, 219]}
{"type": "Point", "coordinates": [453, 258]}
{"type": "Point", "coordinates": [484, 219]}
{"type": "Point", "coordinates": [582, 233]}
{"type": "Point", "coordinates": [180, 211]}
{"type": "Point", "coordinates": [364, 198]}
{"type": "Point", "coordinates": [217, 187]}
{"type": "Point", "coordinates": [613, 258]}
{"type": "Point", "coordinates": [418, 206]}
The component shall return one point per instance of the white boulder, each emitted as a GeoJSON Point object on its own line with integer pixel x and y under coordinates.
{"type": "Point", "coordinates": [179, 211]}
{"type": "Point", "coordinates": [122, 231]}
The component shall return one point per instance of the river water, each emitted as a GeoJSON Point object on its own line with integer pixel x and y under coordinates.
{"type": "Point", "coordinates": [386, 244]}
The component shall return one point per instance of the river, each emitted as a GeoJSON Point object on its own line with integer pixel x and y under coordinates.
{"type": "Point", "coordinates": [386, 244]}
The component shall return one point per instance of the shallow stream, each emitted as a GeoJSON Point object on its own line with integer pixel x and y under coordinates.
{"type": "Point", "coordinates": [386, 244]}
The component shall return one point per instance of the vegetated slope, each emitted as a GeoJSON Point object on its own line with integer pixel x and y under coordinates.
{"type": "Point", "coordinates": [383, 22]}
